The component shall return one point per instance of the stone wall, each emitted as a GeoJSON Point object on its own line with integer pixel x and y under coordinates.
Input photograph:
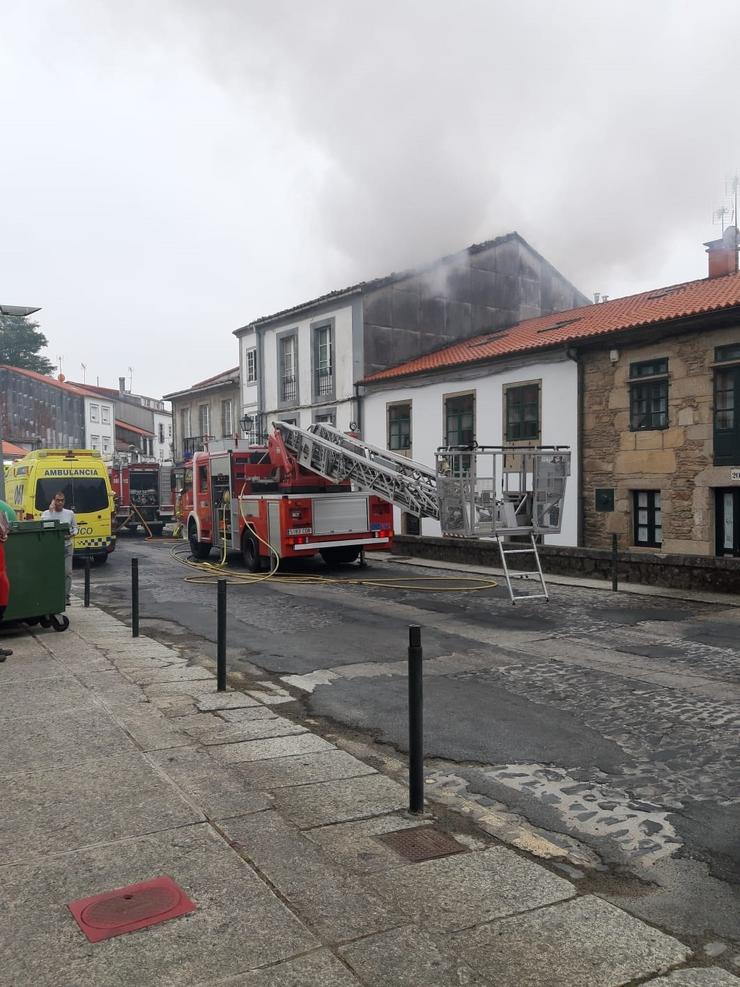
{"type": "Point", "coordinates": [690, 572]}
{"type": "Point", "coordinates": [677, 460]}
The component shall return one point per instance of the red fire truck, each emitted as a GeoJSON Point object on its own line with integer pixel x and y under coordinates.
{"type": "Point", "coordinates": [143, 497]}
{"type": "Point", "coordinates": [249, 499]}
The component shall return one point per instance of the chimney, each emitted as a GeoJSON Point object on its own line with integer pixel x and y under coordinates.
{"type": "Point", "coordinates": [723, 253]}
{"type": "Point", "coordinates": [121, 385]}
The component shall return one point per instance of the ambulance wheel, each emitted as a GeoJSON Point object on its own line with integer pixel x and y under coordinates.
{"type": "Point", "coordinates": [340, 556]}
{"type": "Point", "coordinates": [199, 549]}
{"type": "Point", "coordinates": [100, 559]}
{"type": "Point", "coordinates": [251, 553]}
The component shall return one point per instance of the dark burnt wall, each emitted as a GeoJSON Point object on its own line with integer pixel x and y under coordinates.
{"type": "Point", "coordinates": [477, 290]}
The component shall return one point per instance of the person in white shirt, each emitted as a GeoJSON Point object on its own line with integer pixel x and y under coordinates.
{"type": "Point", "coordinates": [58, 512]}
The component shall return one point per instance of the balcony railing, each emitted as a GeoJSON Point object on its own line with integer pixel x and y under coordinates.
{"type": "Point", "coordinates": [194, 443]}
{"type": "Point", "coordinates": [289, 389]}
{"type": "Point", "coordinates": [324, 381]}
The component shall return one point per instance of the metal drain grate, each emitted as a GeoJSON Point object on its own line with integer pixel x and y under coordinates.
{"type": "Point", "coordinates": [421, 843]}
{"type": "Point", "coordinates": [137, 906]}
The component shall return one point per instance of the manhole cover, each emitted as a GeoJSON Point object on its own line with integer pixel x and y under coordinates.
{"type": "Point", "coordinates": [421, 843]}
{"type": "Point", "coordinates": [127, 909]}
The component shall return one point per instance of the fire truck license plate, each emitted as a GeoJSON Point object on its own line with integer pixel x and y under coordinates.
{"type": "Point", "coordinates": [300, 531]}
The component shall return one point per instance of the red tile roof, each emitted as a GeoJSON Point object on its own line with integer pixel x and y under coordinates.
{"type": "Point", "coordinates": [648, 308]}
{"type": "Point", "coordinates": [128, 427]}
{"type": "Point", "coordinates": [45, 379]}
{"type": "Point", "coordinates": [13, 451]}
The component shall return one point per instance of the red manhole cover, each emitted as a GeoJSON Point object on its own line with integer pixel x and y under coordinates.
{"type": "Point", "coordinates": [128, 909]}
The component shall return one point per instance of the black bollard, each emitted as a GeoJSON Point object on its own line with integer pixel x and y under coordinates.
{"type": "Point", "coordinates": [221, 636]}
{"type": "Point", "coordinates": [615, 577]}
{"type": "Point", "coordinates": [416, 722]}
{"type": "Point", "coordinates": [134, 597]}
{"type": "Point", "coordinates": [87, 582]}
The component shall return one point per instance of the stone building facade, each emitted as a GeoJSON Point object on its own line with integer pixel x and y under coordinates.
{"type": "Point", "coordinates": [665, 464]}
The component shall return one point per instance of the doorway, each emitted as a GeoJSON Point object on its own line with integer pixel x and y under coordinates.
{"type": "Point", "coordinates": [727, 514]}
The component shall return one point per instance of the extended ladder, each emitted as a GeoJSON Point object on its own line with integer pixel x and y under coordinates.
{"type": "Point", "coordinates": [510, 574]}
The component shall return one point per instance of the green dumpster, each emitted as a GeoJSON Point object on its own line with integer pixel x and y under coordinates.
{"type": "Point", "coordinates": [34, 558]}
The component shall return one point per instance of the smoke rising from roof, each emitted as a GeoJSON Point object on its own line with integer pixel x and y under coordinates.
{"type": "Point", "coordinates": [184, 167]}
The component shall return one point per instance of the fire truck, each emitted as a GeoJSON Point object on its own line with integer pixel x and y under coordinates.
{"type": "Point", "coordinates": [143, 496]}
{"type": "Point", "coordinates": [260, 498]}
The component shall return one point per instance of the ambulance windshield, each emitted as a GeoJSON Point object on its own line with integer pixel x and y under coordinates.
{"type": "Point", "coordinates": [82, 494]}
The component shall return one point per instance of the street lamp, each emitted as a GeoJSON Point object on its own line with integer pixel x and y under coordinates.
{"type": "Point", "coordinates": [20, 311]}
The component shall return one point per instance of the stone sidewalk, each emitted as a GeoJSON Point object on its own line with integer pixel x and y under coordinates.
{"type": "Point", "coordinates": [122, 763]}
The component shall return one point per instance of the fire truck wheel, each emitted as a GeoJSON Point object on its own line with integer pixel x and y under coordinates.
{"type": "Point", "coordinates": [156, 530]}
{"type": "Point", "coordinates": [251, 553]}
{"type": "Point", "coordinates": [340, 556]}
{"type": "Point", "coordinates": [199, 549]}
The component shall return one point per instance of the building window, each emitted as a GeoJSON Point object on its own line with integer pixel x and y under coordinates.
{"type": "Point", "coordinates": [227, 420]}
{"type": "Point", "coordinates": [204, 419]}
{"type": "Point", "coordinates": [727, 406]}
{"type": "Point", "coordinates": [399, 426]}
{"type": "Point", "coordinates": [326, 417]}
{"type": "Point", "coordinates": [185, 423]}
{"type": "Point", "coordinates": [105, 414]}
{"type": "Point", "coordinates": [251, 366]}
{"type": "Point", "coordinates": [648, 395]}
{"type": "Point", "coordinates": [250, 426]}
{"type": "Point", "coordinates": [161, 433]}
{"type": "Point", "coordinates": [460, 420]}
{"type": "Point", "coordinates": [94, 412]}
{"type": "Point", "coordinates": [647, 515]}
{"type": "Point", "coordinates": [288, 369]}
{"type": "Point", "coordinates": [522, 412]}
{"type": "Point", "coordinates": [323, 362]}
{"type": "Point", "coordinates": [727, 514]}
{"type": "Point", "coordinates": [95, 442]}
{"type": "Point", "coordinates": [106, 445]}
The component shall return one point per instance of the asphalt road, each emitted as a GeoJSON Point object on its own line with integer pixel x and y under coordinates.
{"type": "Point", "coordinates": [608, 721]}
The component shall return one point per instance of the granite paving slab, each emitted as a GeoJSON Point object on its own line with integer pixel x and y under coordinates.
{"type": "Point", "coordinates": [466, 889]}
{"type": "Point", "coordinates": [353, 844]}
{"type": "Point", "coordinates": [708, 977]}
{"type": "Point", "coordinates": [26, 668]}
{"type": "Point", "coordinates": [217, 790]}
{"type": "Point", "coordinates": [171, 673]}
{"type": "Point", "coordinates": [113, 687]}
{"type": "Point", "coordinates": [297, 741]}
{"type": "Point", "coordinates": [303, 769]}
{"type": "Point", "coordinates": [407, 958]}
{"type": "Point", "coordinates": [585, 942]}
{"type": "Point", "coordinates": [318, 969]}
{"type": "Point", "coordinates": [339, 801]}
{"type": "Point", "coordinates": [194, 689]}
{"type": "Point", "coordinates": [219, 732]}
{"type": "Point", "coordinates": [47, 695]}
{"type": "Point", "coordinates": [64, 808]}
{"type": "Point", "coordinates": [246, 713]}
{"type": "Point", "coordinates": [239, 923]}
{"type": "Point", "coordinates": [63, 737]}
{"type": "Point", "coordinates": [225, 700]}
{"type": "Point", "coordinates": [149, 727]}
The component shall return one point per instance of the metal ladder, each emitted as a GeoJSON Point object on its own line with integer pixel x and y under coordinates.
{"type": "Point", "coordinates": [522, 574]}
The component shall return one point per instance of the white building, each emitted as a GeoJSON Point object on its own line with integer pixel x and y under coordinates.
{"type": "Point", "coordinates": [456, 396]}
{"type": "Point", "coordinates": [100, 425]}
{"type": "Point", "coordinates": [302, 364]}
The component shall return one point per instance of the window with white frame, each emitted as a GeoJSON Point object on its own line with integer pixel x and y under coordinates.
{"type": "Point", "coordinates": [105, 414]}
{"type": "Point", "coordinates": [95, 442]}
{"type": "Point", "coordinates": [185, 423]}
{"type": "Point", "coordinates": [204, 420]}
{"type": "Point", "coordinates": [106, 444]}
{"type": "Point", "coordinates": [227, 419]}
{"type": "Point", "coordinates": [252, 366]}
{"type": "Point", "coordinates": [288, 369]}
{"type": "Point", "coordinates": [94, 412]}
{"type": "Point", "coordinates": [323, 359]}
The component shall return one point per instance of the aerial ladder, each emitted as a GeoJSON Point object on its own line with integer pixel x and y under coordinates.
{"type": "Point", "coordinates": [496, 492]}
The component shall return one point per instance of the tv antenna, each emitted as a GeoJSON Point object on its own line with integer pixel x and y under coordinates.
{"type": "Point", "coordinates": [729, 209]}
{"type": "Point", "coordinates": [131, 380]}
{"type": "Point", "coordinates": [83, 367]}
{"type": "Point", "coordinates": [59, 361]}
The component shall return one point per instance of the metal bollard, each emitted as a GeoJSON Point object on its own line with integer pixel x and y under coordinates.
{"type": "Point", "coordinates": [87, 582]}
{"type": "Point", "coordinates": [134, 597]}
{"type": "Point", "coordinates": [221, 636]}
{"type": "Point", "coordinates": [615, 575]}
{"type": "Point", "coordinates": [416, 724]}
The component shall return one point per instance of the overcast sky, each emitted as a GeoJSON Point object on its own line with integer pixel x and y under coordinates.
{"type": "Point", "coordinates": [172, 169]}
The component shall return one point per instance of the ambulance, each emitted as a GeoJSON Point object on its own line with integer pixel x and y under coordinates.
{"type": "Point", "coordinates": [82, 476]}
